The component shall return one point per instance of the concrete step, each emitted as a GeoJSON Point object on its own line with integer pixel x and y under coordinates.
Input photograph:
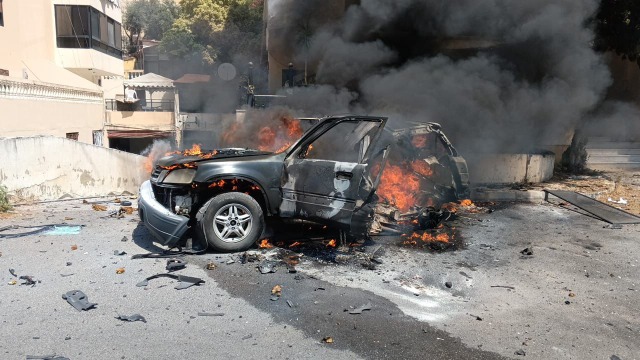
{"type": "Point", "coordinates": [613, 145]}
{"type": "Point", "coordinates": [613, 166]}
{"type": "Point", "coordinates": [605, 152]}
{"type": "Point", "coordinates": [618, 159]}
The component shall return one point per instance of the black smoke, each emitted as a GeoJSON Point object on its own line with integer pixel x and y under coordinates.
{"type": "Point", "coordinates": [499, 75]}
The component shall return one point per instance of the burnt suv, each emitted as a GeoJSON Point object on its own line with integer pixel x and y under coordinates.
{"type": "Point", "coordinates": [327, 176]}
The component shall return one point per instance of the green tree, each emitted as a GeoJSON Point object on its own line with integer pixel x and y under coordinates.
{"type": "Point", "coordinates": [149, 19]}
{"type": "Point", "coordinates": [216, 30]}
{"type": "Point", "coordinates": [618, 28]}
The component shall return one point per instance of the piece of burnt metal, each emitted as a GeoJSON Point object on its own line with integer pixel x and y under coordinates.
{"type": "Point", "coordinates": [429, 218]}
{"type": "Point", "coordinates": [175, 264]}
{"type": "Point", "coordinates": [131, 318]}
{"type": "Point", "coordinates": [28, 280]}
{"type": "Point", "coordinates": [46, 357]}
{"type": "Point", "coordinates": [267, 266]}
{"type": "Point", "coordinates": [359, 310]}
{"type": "Point", "coordinates": [78, 300]}
{"type": "Point", "coordinates": [184, 281]}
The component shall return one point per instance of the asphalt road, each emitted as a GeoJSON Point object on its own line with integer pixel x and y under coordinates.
{"type": "Point", "coordinates": [413, 315]}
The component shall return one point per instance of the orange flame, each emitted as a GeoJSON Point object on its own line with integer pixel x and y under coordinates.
{"type": "Point", "coordinates": [332, 243]}
{"type": "Point", "coordinates": [427, 237]}
{"type": "Point", "coordinates": [295, 244]}
{"type": "Point", "coordinates": [264, 244]}
{"type": "Point", "coordinates": [466, 202]}
{"type": "Point", "coordinates": [194, 151]}
{"type": "Point", "coordinates": [399, 186]}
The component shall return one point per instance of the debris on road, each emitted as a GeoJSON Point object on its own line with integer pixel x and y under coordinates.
{"type": "Point", "coordinates": [131, 318]}
{"type": "Point", "coordinates": [520, 352]}
{"type": "Point", "coordinates": [476, 316]}
{"type": "Point", "coordinates": [267, 266]}
{"type": "Point", "coordinates": [448, 284]}
{"type": "Point", "coordinates": [46, 357]}
{"type": "Point", "coordinates": [175, 264]}
{"type": "Point", "coordinates": [504, 287]}
{"type": "Point", "coordinates": [184, 281]}
{"type": "Point", "coordinates": [120, 270]}
{"type": "Point", "coordinates": [211, 266]}
{"type": "Point", "coordinates": [290, 303]}
{"type": "Point", "coordinates": [527, 251]}
{"type": "Point", "coordinates": [12, 282]}
{"type": "Point", "coordinates": [98, 207]}
{"type": "Point", "coordinates": [276, 293]}
{"type": "Point", "coordinates": [327, 340]}
{"type": "Point", "coordinates": [359, 310]}
{"type": "Point", "coordinates": [13, 272]}
{"type": "Point", "coordinates": [119, 253]}
{"type": "Point", "coordinates": [28, 280]}
{"type": "Point", "coordinates": [621, 201]}
{"type": "Point", "coordinates": [78, 300]}
{"type": "Point", "coordinates": [74, 247]}
{"type": "Point", "coordinates": [124, 239]}
{"type": "Point", "coordinates": [210, 314]}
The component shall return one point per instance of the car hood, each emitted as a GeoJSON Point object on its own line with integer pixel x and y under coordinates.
{"type": "Point", "coordinates": [225, 153]}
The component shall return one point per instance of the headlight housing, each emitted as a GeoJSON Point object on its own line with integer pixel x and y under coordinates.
{"type": "Point", "coordinates": [180, 176]}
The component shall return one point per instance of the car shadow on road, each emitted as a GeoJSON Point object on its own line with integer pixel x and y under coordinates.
{"type": "Point", "coordinates": [143, 238]}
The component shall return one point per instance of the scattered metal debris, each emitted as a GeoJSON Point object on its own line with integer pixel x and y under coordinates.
{"type": "Point", "coordinates": [78, 300]}
{"type": "Point", "coordinates": [448, 284]}
{"type": "Point", "coordinates": [210, 314]}
{"type": "Point", "coordinates": [594, 207]}
{"type": "Point", "coordinates": [131, 318]}
{"type": "Point", "coordinates": [476, 316]}
{"type": "Point", "coordinates": [28, 280]}
{"type": "Point", "coordinates": [520, 352]}
{"type": "Point", "coordinates": [211, 266]}
{"type": "Point", "coordinates": [503, 286]}
{"type": "Point", "coordinates": [120, 270]}
{"type": "Point", "coordinates": [527, 251]}
{"type": "Point", "coordinates": [48, 229]}
{"type": "Point", "coordinates": [184, 281]}
{"type": "Point", "coordinates": [267, 266]}
{"type": "Point", "coordinates": [175, 264]}
{"type": "Point", "coordinates": [124, 239]}
{"type": "Point", "coordinates": [290, 303]}
{"type": "Point", "coordinates": [46, 357]}
{"type": "Point", "coordinates": [359, 310]}
{"type": "Point", "coordinates": [119, 253]}
{"type": "Point", "coordinates": [13, 272]}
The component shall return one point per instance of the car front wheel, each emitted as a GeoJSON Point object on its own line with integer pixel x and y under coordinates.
{"type": "Point", "coordinates": [232, 222]}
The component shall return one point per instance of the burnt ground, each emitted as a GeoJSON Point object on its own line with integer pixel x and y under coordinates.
{"type": "Point", "coordinates": [575, 297]}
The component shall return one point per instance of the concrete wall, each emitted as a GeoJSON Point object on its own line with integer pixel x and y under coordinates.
{"type": "Point", "coordinates": [510, 168]}
{"type": "Point", "coordinates": [47, 168]}
{"type": "Point", "coordinates": [49, 112]}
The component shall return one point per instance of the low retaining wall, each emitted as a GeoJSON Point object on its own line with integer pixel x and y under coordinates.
{"type": "Point", "coordinates": [49, 168]}
{"type": "Point", "coordinates": [510, 168]}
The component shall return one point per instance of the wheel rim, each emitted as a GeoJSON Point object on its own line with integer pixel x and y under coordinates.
{"type": "Point", "coordinates": [232, 223]}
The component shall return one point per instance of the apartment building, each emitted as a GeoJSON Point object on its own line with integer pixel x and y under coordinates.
{"type": "Point", "coordinates": [53, 59]}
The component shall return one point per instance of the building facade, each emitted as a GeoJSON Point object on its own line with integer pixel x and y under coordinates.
{"type": "Point", "coordinates": [55, 55]}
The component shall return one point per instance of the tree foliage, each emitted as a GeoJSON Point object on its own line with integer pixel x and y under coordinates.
{"type": "Point", "coordinates": [618, 28]}
{"type": "Point", "coordinates": [150, 19]}
{"type": "Point", "coordinates": [216, 30]}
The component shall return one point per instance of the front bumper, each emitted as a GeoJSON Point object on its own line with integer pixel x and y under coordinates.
{"type": "Point", "coordinates": [167, 227]}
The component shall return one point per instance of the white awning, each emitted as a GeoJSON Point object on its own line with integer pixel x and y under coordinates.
{"type": "Point", "coordinates": [149, 80]}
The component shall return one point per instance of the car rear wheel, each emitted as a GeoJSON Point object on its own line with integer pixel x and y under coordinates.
{"type": "Point", "coordinates": [232, 222]}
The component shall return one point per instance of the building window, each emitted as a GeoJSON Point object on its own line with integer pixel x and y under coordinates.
{"type": "Point", "coordinates": [85, 27]}
{"type": "Point", "coordinates": [1, 15]}
{"type": "Point", "coordinates": [72, 136]}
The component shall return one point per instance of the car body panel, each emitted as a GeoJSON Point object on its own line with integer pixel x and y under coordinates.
{"type": "Point", "coordinates": [166, 226]}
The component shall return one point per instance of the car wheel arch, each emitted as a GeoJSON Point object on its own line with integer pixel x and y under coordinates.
{"type": "Point", "coordinates": [263, 199]}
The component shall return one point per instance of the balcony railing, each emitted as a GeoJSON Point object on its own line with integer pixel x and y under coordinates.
{"type": "Point", "coordinates": [142, 105]}
{"type": "Point", "coordinates": [30, 89]}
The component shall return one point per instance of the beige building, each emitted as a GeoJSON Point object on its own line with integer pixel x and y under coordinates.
{"type": "Point", "coordinates": [55, 55]}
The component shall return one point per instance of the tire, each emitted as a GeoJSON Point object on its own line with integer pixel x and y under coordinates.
{"type": "Point", "coordinates": [232, 222]}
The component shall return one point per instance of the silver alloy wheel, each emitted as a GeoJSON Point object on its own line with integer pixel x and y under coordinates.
{"type": "Point", "coordinates": [232, 222]}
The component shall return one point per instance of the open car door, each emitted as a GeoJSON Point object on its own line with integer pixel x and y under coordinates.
{"type": "Point", "coordinates": [328, 174]}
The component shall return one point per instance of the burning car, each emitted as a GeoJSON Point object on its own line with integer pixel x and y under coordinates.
{"type": "Point", "coordinates": [329, 176]}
